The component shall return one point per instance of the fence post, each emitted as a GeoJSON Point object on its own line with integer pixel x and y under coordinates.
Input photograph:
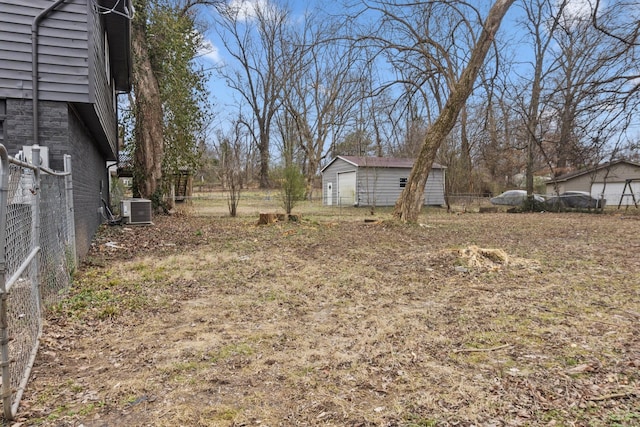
{"type": "Point", "coordinates": [35, 159]}
{"type": "Point", "coordinates": [4, 322]}
{"type": "Point", "coordinates": [71, 223]}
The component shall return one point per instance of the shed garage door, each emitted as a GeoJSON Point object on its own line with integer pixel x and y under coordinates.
{"type": "Point", "coordinates": [613, 192]}
{"type": "Point", "coordinates": [347, 188]}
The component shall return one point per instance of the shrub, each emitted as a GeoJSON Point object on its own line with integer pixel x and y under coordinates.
{"type": "Point", "coordinates": [292, 186]}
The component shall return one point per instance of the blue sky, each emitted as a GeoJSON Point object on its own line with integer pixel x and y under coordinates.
{"type": "Point", "coordinates": [215, 55]}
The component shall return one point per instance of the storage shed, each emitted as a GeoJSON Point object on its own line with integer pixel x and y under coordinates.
{"type": "Point", "coordinates": [619, 181]}
{"type": "Point", "coordinates": [366, 181]}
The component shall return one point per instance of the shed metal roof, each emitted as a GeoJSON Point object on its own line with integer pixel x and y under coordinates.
{"type": "Point", "coordinates": [379, 162]}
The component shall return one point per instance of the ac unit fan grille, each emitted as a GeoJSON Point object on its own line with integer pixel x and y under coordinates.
{"type": "Point", "coordinates": [140, 212]}
{"type": "Point", "coordinates": [136, 211]}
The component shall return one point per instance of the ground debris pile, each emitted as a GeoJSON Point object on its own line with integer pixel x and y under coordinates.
{"type": "Point", "coordinates": [492, 259]}
{"type": "Point", "coordinates": [477, 257]}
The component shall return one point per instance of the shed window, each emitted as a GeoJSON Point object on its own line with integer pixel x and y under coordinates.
{"type": "Point", "coordinates": [403, 182]}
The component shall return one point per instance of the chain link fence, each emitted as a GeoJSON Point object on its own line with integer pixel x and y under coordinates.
{"type": "Point", "coordinates": [253, 202]}
{"type": "Point", "coordinates": [36, 262]}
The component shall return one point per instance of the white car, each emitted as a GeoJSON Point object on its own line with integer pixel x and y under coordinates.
{"type": "Point", "coordinates": [514, 198]}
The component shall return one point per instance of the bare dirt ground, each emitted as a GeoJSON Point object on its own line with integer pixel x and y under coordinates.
{"type": "Point", "coordinates": [212, 321]}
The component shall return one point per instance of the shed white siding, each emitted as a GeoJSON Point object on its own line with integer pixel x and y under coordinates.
{"type": "Point", "coordinates": [331, 177]}
{"type": "Point", "coordinates": [378, 185]}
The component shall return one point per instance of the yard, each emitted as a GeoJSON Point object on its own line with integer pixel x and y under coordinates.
{"type": "Point", "coordinates": [465, 319]}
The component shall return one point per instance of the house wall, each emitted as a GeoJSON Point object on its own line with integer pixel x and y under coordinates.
{"type": "Point", "coordinates": [617, 193]}
{"type": "Point", "coordinates": [102, 91]}
{"type": "Point", "coordinates": [616, 174]}
{"type": "Point", "coordinates": [614, 189]}
{"type": "Point", "coordinates": [579, 183]}
{"type": "Point", "coordinates": [63, 50]}
{"type": "Point", "coordinates": [63, 132]}
{"type": "Point", "coordinates": [90, 181]}
{"type": "Point", "coordinates": [383, 184]}
{"type": "Point", "coordinates": [71, 61]}
{"type": "Point", "coordinates": [76, 93]}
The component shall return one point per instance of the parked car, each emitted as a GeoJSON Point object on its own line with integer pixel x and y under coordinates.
{"type": "Point", "coordinates": [514, 198]}
{"type": "Point", "coordinates": [573, 200]}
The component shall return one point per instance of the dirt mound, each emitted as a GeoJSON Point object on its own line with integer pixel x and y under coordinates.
{"type": "Point", "coordinates": [493, 259]}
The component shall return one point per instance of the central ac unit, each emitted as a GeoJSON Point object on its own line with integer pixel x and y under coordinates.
{"type": "Point", "coordinates": [136, 211]}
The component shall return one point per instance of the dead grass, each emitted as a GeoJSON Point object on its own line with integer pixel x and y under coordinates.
{"type": "Point", "coordinates": [473, 319]}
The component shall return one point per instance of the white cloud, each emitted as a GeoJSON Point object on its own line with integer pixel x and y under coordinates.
{"type": "Point", "coordinates": [210, 51]}
{"type": "Point", "coordinates": [247, 9]}
{"type": "Point", "coordinates": [580, 9]}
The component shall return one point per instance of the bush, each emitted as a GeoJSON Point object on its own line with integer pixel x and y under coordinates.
{"type": "Point", "coordinates": [292, 186]}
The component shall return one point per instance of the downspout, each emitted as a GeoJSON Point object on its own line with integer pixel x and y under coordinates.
{"type": "Point", "coordinates": [34, 64]}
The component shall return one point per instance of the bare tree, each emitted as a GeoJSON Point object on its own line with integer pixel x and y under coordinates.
{"type": "Point", "coordinates": [574, 104]}
{"type": "Point", "coordinates": [499, 152]}
{"type": "Point", "coordinates": [617, 19]}
{"type": "Point", "coordinates": [541, 22]}
{"type": "Point", "coordinates": [231, 150]}
{"type": "Point", "coordinates": [255, 39]}
{"type": "Point", "coordinates": [593, 96]}
{"type": "Point", "coordinates": [322, 89]}
{"type": "Point", "coordinates": [289, 142]}
{"type": "Point", "coordinates": [411, 199]}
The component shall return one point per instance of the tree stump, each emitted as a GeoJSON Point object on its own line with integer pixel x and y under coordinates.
{"type": "Point", "coordinates": [267, 218]}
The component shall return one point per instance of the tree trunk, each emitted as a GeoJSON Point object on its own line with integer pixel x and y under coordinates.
{"type": "Point", "coordinates": [149, 142]}
{"type": "Point", "coordinates": [567, 124]}
{"type": "Point", "coordinates": [410, 202]}
{"type": "Point", "coordinates": [313, 163]}
{"type": "Point", "coordinates": [465, 154]}
{"type": "Point", "coordinates": [263, 149]}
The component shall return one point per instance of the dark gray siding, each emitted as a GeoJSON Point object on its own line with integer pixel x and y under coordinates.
{"type": "Point", "coordinates": [101, 85]}
{"type": "Point", "coordinates": [71, 62]}
{"type": "Point", "coordinates": [77, 109]}
{"type": "Point", "coordinates": [63, 132]}
{"type": "Point", "coordinates": [63, 50]}
{"type": "Point", "coordinates": [381, 185]}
